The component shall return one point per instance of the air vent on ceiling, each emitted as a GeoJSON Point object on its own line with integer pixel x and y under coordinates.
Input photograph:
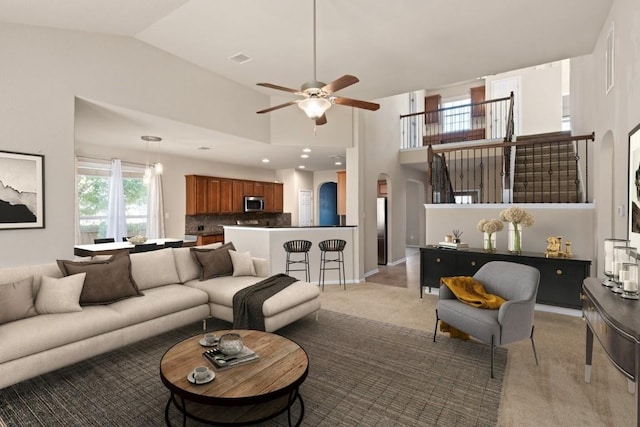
{"type": "Point", "coordinates": [240, 58]}
{"type": "Point", "coordinates": [203, 148]}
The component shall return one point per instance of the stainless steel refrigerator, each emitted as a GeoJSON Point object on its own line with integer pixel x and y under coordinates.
{"type": "Point", "coordinates": [382, 230]}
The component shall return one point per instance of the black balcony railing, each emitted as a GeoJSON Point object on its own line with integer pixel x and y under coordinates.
{"type": "Point", "coordinates": [491, 119]}
{"type": "Point", "coordinates": [544, 169]}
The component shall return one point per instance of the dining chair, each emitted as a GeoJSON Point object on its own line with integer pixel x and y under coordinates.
{"type": "Point", "coordinates": [104, 240]}
{"type": "Point", "coordinates": [173, 244]}
{"type": "Point", "coordinates": [146, 247]}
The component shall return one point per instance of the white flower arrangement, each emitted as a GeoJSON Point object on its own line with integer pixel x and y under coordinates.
{"type": "Point", "coordinates": [490, 225]}
{"type": "Point", "coordinates": [517, 215]}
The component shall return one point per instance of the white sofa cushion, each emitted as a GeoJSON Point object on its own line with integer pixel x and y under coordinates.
{"type": "Point", "coordinates": [60, 295]}
{"type": "Point", "coordinates": [186, 265]}
{"type": "Point", "coordinates": [158, 302]}
{"type": "Point", "coordinates": [154, 268]}
{"type": "Point", "coordinates": [46, 331]}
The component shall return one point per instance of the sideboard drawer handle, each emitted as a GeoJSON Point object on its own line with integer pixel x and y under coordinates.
{"type": "Point", "coordinates": [473, 263]}
{"type": "Point", "coordinates": [437, 259]}
{"type": "Point", "coordinates": [559, 272]}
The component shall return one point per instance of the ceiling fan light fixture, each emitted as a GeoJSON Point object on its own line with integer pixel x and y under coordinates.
{"type": "Point", "coordinates": [314, 108]}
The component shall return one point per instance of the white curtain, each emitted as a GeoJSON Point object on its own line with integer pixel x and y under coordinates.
{"type": "Point", "coordinates": [116, 222]}
{"type": "Point", "coordinates": [155, 208]}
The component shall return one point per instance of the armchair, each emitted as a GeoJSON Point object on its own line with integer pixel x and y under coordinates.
{"type": "Point", "coordinates": [513, 321]}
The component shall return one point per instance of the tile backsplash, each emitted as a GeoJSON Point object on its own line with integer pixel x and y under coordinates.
{"type": "Point", "coordinates": [214, 223]}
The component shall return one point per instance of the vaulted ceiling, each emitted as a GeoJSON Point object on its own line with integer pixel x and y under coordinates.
{"type": "Point", "coordinates": [393, 47]}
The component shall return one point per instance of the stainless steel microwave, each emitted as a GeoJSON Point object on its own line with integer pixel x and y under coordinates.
{"type": "Point", "coordinates": [253, 204]}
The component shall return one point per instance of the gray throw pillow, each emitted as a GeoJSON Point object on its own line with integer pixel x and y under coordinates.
{"type": "Point", "coordinates": [106, 281]}
{"type": "Point", "coordinates": [214, 262]}
{"type": "Point", "coordinates": [16, 300]}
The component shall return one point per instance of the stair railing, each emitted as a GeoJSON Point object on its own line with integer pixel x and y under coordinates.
{"type": "Point", "coordinates": [545, 171]}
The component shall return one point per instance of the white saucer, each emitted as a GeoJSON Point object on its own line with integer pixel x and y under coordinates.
{"type": "Point", "coordinates": [210, 377]}
{"type": "Point", "coordinates": [204, 343]}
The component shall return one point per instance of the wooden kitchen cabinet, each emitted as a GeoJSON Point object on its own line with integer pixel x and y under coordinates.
{"type": "Point", "coordinates": [237, 196]}
{"type": "Point", "coordinates": [560, 278]}
{"type": "Point", "coordinates": [197, 194]}
{"type": "Point", "coordinates": [210, 238]}
{"type": "Point", "coordinates": [342, 193]}
{"type": "Point", "coordinates": [212, 195]}
{"type": "Point", "coordinates": [269, 197]}
{"type": "Point", "coordinates": [278, 197]}
{"type": "Point", "coordinates": [226, 195]}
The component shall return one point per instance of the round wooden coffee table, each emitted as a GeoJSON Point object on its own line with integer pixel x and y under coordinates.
{"type": "Point", "coordinates": [246, 394]}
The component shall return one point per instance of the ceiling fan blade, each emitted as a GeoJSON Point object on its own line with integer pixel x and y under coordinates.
{"type": "Point", "coordinates": [272, 86]}
{"type": "Point", "coordinates": [340, 83]}
{"type": "Point", "coordinates": [277, 107]}
{"type": "Point", "coordinates": [322, 120]}
{"type": "Point", "coordinates": [355, 103]}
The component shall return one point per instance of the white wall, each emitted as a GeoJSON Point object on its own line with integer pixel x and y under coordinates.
{"type": "Point", "coordinates": [43, 70]}
{"type": "Point", "coordinates": [612, 115]}
{"type": "Point", "coordinates": [541, 97]}
{"type": "Point", "coordinates": [295, 180]}
{"type": "Point", "coordinates": [575, 223]}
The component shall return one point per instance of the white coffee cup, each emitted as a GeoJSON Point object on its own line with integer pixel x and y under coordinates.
{"type": "Point", "coordinates": [200, 373]}
{"type": "Point", "coordinates": [210, 338]}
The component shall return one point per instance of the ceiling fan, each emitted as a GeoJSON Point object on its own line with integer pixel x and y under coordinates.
{"type": "Point", "coordinates": [319, 96]}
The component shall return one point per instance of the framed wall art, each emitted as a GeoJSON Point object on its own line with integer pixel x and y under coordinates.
{"type": "Point", "coordinates": [21, 190]}
{"type": "Point", "coordinates": [634, 187]}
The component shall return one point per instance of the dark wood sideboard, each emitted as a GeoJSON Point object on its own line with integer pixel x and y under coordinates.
{"type": "Point", "coordinates": [615, 322]}
{"type": "Point", "coordinates": [560, 278]}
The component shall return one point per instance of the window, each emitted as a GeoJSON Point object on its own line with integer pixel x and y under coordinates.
{"type": "Point", "coordinates": [92, 185]}
{"type": "Point", "coordinates": [456, 115]}
{"type": "Point", "coordinates": [609, 61]}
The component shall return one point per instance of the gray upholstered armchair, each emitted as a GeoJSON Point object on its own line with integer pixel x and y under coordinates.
{"type": "Point", "coordinates": [513, 321]}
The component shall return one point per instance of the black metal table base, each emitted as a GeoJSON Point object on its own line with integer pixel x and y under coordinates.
{"type": "Point", "coordinates": [293, 396]}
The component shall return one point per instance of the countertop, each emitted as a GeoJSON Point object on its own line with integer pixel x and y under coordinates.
{"type": "Point", "coordinates": [290, 226]}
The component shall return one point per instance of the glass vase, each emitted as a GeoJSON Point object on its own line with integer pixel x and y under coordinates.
{"type": "Point", "coordinates": [515, 238]}
{"type": "Point", "coordinates": [489, 242]}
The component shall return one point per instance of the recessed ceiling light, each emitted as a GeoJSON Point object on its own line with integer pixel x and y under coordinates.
{"type": "Point", "coordinates": [265, 160]}
{"type": "Point", "coordinates": [306, 150]}
{"type": "Point", "coordinates": [304, 156]}
{"type": "Point", "coordinates": [337, 163]}
{"type": "Point", "coordinates": [203, 148]}
{"type": "Point", "coordinates": [301, 167]}
{"type": "Point", "coordinates": [240, 58]}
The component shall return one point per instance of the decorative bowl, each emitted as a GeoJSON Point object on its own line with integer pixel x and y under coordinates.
{"type": "Point", "coordinates": [137, 240]}
{"type": "Point", "coordinates": [230, 344]}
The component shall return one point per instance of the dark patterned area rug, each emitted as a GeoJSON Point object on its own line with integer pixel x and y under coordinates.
{"type": "Point", "coordinates": [361, 373]}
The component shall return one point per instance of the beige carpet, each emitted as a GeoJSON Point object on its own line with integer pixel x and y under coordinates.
{"type": "Point", "coordinates": [552, 394]}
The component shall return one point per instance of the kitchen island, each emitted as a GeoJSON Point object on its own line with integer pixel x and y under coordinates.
{"type": "Point", "coordinates": [266, 242]}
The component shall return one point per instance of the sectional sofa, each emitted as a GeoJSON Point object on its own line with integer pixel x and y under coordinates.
{"type": "Point", "coordinates": [45, 325]}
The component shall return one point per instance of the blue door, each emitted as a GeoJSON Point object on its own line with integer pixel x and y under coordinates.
{"type": "Point", "coordinates": [328, 205]}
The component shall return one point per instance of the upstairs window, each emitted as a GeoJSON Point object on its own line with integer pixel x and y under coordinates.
{"type": "Point", "coordinates": [456, 115]}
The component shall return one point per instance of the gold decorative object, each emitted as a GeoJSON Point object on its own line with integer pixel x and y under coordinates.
{"type": "Point", "coordinates": [554, 248]}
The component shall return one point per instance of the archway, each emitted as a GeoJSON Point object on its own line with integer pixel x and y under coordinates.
{"type": "Point", "coordinates": [328, 204]}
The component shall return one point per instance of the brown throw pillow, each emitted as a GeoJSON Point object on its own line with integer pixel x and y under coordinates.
{"type": "Point", "coordinates": [16, 300]}
{"type": "Point", "coordinates": [214, 262]}
{"type": "Point", "coordinates": [106, 281]}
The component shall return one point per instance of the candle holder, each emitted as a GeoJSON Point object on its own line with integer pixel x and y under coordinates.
{"type": "Point", "coordinates": [621, 255]}
{"type": "Point", "coordinates": [609, 244]}
{"type": "Point", "coordinates": [630, 281]}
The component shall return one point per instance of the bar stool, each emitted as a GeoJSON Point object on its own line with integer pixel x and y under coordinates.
{"type": "Point", "coordinates": [337, 246]}
{"type": "Point", "coordinates": [298, 246]}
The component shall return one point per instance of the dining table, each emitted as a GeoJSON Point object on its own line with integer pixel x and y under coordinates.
{"type": "Point", "coordinates": [115, 247]}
